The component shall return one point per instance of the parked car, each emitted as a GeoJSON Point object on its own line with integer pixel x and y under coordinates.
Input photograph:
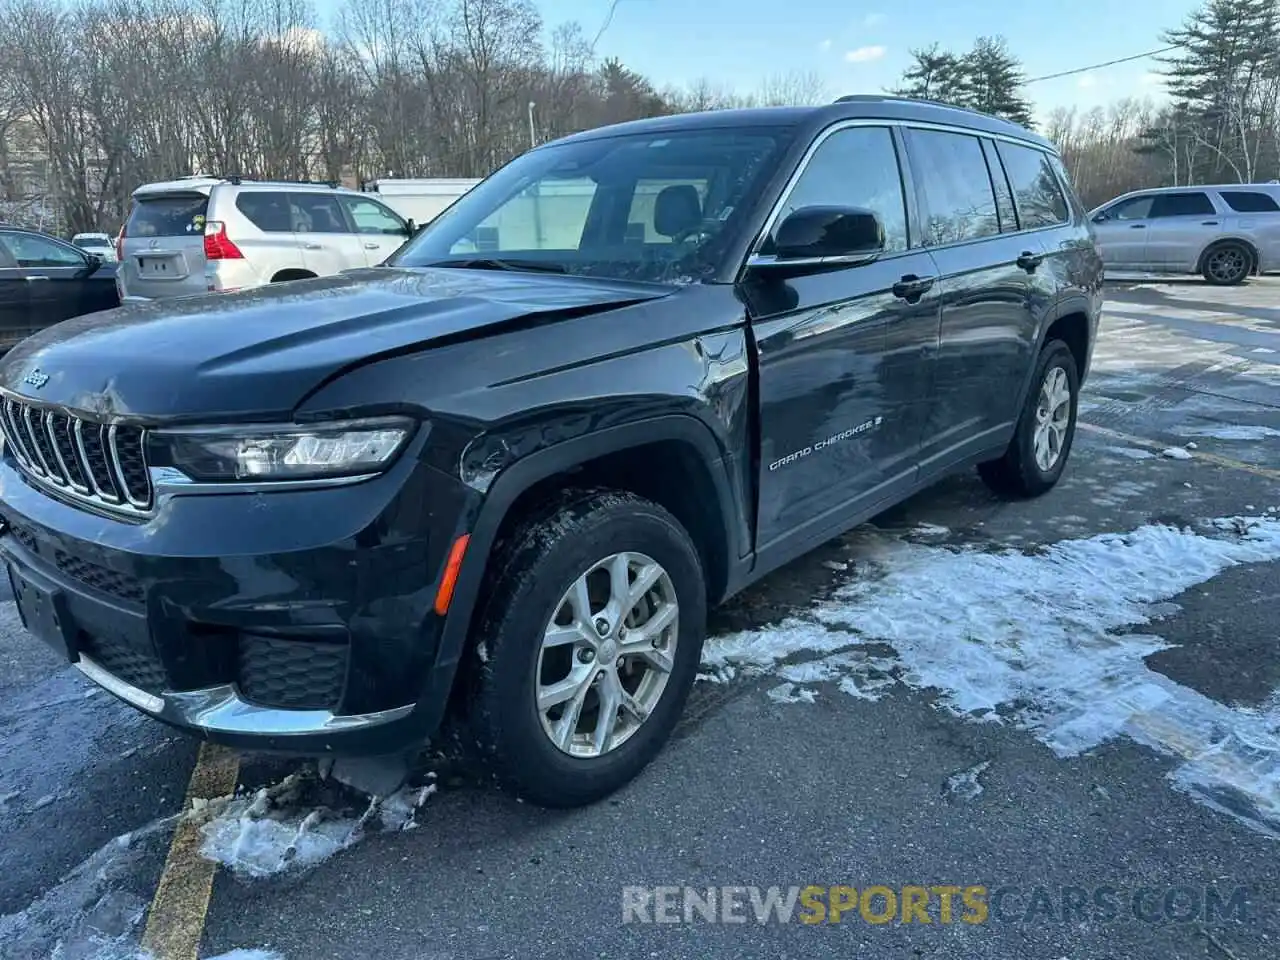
{"type": "Point", "coordinates": [200, 234]}
{"type": "Point", "coordinates": [1225, 233]}
{"type": "Point", "coordinates": [44, 280]}
{"type": "Point", "coordinates": [313, 517]}
{"type": "Point", "coordinates": [101, 244]}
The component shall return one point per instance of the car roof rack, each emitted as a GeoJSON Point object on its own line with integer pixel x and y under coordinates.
{"type": "Point", "coordinates": [235, 181]}
{"type": "Point", "coordinates": [895, 98]}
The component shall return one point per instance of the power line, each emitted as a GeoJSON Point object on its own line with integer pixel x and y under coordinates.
{"type": "Point", "coordinates": [605, 26]}
{"type": "Point", "coordinates": [1099, 66]}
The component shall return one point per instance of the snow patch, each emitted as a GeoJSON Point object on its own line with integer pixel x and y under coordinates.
{"type": "Point", "coordinates": [1132, 453]}
{"type": "Point", "coordinates": [296, 824]}
{"type": "Point", "coordinates": [790, 693]}
{"type": "Point", "coordinates": [1176, 453]}
{"type": "Point", "coordinates": [965, 784]}
{"type": "Point", "coordinates": [1232, 431]}
{"type": "Point", "coordinates": [1042, 640]}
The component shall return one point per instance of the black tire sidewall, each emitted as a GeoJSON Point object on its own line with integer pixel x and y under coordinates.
{"type": "Point", "coordinates": [1055, 354]}
{"type": "Point", "coordinates": [541, 769]}
{"type": "Point", "coordinates": [1248, 264]}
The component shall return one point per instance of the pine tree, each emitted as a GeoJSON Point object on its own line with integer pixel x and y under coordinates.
{"type": "Point", "coordinates": [937, 74]}
{"type": "Point", "coordinates": [987, 78]}
{"type": "Point", "coordinates": [993, 77]}
{"type": "Point", "coordinates": [1224, 80]}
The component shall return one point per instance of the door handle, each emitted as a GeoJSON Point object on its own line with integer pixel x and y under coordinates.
{"type": "Point", "coordinates": [1209, 223]}
{"type": "Point", "coordinates": [1028, 261]}
{"type": "Point", "coordinates": [373, 246]}
{"type": "Point", "coordinates": [29, 279]}
{"type": "Point", "coordinates": [1137, 226]}
{"type": "Point", "coordinates": [911, 288]}
{"type": "Point", "coordinates": [312, 246]}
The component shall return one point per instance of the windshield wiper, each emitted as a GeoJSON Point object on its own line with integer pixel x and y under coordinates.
{"type": "Point", "coordinates": [498, 263]}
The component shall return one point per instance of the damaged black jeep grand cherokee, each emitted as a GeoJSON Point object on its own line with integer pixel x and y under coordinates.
{"type": "Point", "coordinates": [504, 473]}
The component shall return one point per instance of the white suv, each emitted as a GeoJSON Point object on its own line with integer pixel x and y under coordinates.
{"type": "Point", "coordinates": [204, 234]}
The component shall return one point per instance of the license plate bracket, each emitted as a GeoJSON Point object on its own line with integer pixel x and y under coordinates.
{"type": "Point", "coordinates": [43, 611]}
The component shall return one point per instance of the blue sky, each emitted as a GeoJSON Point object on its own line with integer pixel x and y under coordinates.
{"type": "Point", "coordinates": [862, 46]}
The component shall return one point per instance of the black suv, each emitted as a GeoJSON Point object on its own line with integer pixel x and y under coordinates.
{"type": "Point", "coordinates": [505, 473]}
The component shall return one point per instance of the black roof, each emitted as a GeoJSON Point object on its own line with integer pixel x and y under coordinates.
{"type": "Point", "coordinates": [854, 107]}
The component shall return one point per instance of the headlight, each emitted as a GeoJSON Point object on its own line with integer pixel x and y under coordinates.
{"type": "Point", "coordinates": [289, 452]}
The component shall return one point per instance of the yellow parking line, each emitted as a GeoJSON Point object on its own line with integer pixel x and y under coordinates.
{"type": "Point", "coordinates": [175, 922]}
{"type": "Point", "coordinates": [1197, 454]}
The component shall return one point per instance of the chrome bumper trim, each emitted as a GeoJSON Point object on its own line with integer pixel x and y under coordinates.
{"type": "Point", "coordinates": [221, 710]}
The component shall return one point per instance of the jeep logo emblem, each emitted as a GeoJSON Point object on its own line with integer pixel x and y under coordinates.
{"type": "Point", "coordinates": [36, 378]}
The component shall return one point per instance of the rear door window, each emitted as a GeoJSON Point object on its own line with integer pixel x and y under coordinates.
{"type": "Point", "coordinates": [268, 211]}
{"type": "Point", "coordinates": [1249, 201]}
{"type": "Point", "coordinates": [33, 251]}
{"type": "Point", "coordinates": [317, 213]}
{"type": "Point", "coordinates": [168, 215]}
{"type": "Point", "coordinates": [1190, 204]}
{"type": "Point", "coordinates": [1036, 192]}
{"type": "Point", "coordinates": [372, 217]}
{"type": "Point", "coordinates": [960, 203]}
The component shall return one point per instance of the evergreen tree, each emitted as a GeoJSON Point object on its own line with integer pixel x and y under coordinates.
{"type": "Point", "coordinates": [936, 75]}
{"type": "Point", "coordinates": [993, 79]}
{"type": "Point", "coordinates": [987, 78]}
{"type": "Point", "coordinates": [1224, 80]}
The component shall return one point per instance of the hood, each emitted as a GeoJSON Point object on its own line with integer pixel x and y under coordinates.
{"type": "Point", "coordinates": [258, 353]}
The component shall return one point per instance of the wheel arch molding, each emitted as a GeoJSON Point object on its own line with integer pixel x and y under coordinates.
{"type": "Point", "coordinates": [565, 459]}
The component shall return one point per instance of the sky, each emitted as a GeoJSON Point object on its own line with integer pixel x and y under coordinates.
{"type": "Point", "coordinates": [863, 46]}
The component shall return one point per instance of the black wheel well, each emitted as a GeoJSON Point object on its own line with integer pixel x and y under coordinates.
{"type": "Point", "coordinates": [1252, 250]}
{"type": "Point", "coordinates": [292, 273]}
{"type": "Point", "coordinates": [1073, 330]}
{"type": "Point", "coordinates": [671, 473]}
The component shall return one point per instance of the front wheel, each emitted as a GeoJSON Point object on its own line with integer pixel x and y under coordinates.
{"type": "Point", "coordinates": [591, 635]}
{"type": "Point", "coordinates": [1036, 456]}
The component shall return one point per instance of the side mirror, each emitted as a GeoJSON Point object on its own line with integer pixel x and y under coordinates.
{"type": "Point", "coordinates": [1101, 217]}
{"type": "Point", "coordinates": [825, 235]}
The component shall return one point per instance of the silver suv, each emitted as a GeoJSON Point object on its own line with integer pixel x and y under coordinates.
{"type": "Point", "coordinates": [1225, 232]}
{"type": "Point", "coordinates": [203, 234]}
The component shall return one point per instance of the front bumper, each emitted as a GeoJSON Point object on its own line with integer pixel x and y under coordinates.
{"type": "Point", "coordinates": [298, 622]}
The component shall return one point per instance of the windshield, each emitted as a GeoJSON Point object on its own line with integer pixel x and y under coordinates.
{"type": "Point", "coordinates": [659, 207]}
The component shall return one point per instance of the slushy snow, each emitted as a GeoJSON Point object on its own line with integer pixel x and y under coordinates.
{"type": "Point", "coordinates": [1042, 640]}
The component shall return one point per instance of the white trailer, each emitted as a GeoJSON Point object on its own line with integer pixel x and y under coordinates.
{"type": "Point", "coordinates": [420, 200]}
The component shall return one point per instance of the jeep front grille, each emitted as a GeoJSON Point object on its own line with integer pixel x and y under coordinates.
{"type": "Point", "coordinates": [96, 462]}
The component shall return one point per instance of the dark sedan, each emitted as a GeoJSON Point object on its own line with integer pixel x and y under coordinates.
{"type": "Point", "coordinates": [44, 280]}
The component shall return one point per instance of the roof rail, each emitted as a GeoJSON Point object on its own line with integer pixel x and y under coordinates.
{"type": "Point", "coordinates": [895, 98]}
{"type": "Point", "coordinates": [235, 181]}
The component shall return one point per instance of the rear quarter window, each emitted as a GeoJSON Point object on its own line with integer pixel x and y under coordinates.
{"type": "Point", "coordinates": [269, 212]}
{"type": "Point", "coordinates": [176, 215]}
{"type": "Point", "coordinates": [1249, 201]}
{"type": "Point", "coordinates": [1036, 191]}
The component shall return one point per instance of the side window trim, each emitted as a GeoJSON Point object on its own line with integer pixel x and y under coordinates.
{"type": "Point", "coordinates": [1001, 186]}
{"type": "Point", "coordinates": [906, 171]}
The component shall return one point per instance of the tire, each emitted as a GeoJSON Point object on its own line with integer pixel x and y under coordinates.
{"type": "Point", "coordinates": [1227, 264]}
{"type": "Point", "coordinates": [546, 556]}
{"type": "Point", "coordinates": [1018, 473]}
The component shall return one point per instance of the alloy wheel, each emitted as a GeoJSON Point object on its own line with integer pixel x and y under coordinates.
{"type": "Point", "coordinates": [1053, 417]}
{"type": "Point", "coordinates": [607, 654]}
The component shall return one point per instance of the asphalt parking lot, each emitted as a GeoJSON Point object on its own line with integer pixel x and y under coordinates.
{"type": "Point", "coordinates": [1045, 700]}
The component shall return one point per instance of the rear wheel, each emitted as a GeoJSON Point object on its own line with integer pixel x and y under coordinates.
{"type": "Point", "coordinates": [1036, 456]}
{"type": "Point", "coordinates": [1227, 264]}
{"type": "Point", "coordinates": [591, 635]}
